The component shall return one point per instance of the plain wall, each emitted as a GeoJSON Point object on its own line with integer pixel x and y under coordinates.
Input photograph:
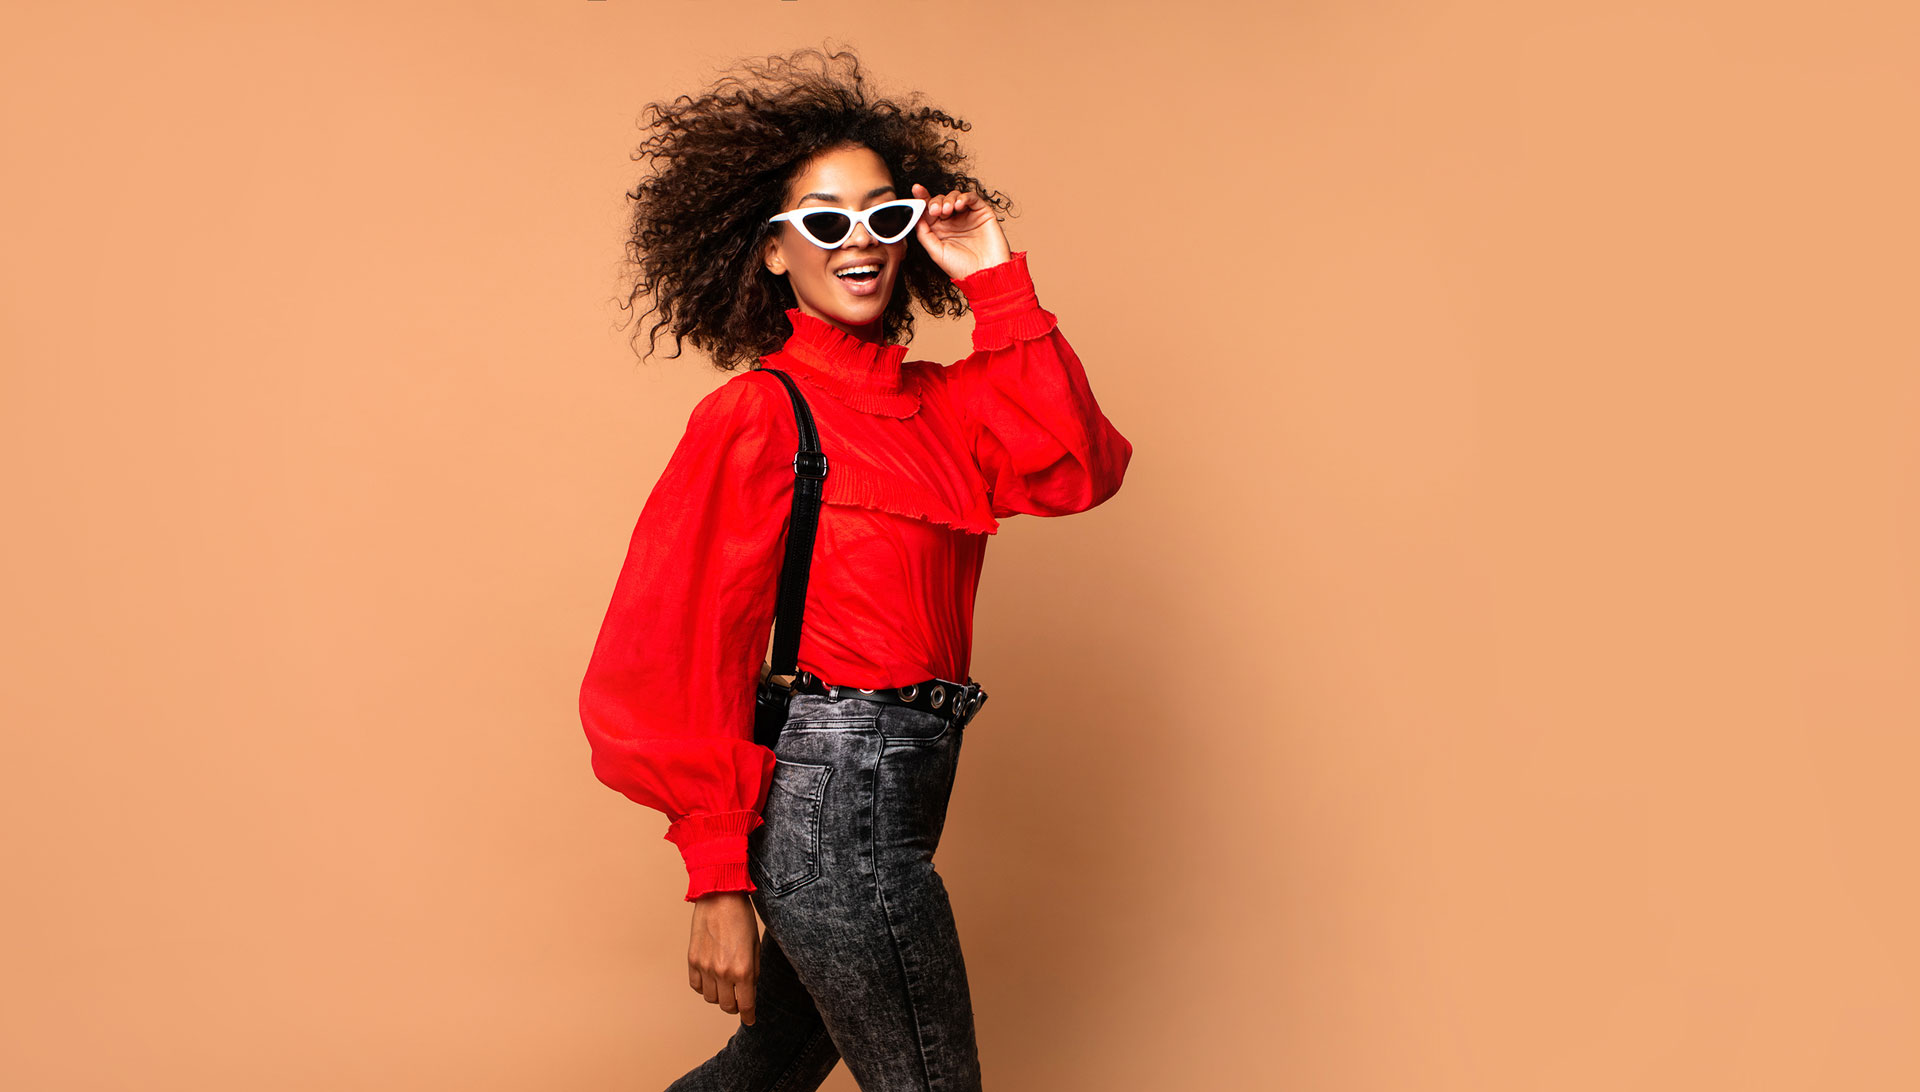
{"type": "Point", "coordinates": [1497, 672]}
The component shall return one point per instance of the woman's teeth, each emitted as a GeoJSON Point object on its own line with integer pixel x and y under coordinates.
{"type": "Point", "coordinates": [861, 280]}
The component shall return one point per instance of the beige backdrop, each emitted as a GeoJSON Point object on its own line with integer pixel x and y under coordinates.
{"type": "Point", "coordinates": [1497, 673]}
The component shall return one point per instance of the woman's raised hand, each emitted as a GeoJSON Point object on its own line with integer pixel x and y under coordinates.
{"type": "Point", "coordinates": [723, 959]}
{"type": "Point", "coordinates": [960, 232]}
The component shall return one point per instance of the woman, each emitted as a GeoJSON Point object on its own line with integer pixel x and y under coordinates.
{"type": "Point", "coordinates": [829, 835]}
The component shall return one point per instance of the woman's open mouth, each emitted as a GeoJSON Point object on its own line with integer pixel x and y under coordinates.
{"type": "Point", "coordinates": [860, 280]}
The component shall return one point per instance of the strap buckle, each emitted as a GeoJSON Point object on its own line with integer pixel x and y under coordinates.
{"type": "Point", "coordinates": [816, 464]}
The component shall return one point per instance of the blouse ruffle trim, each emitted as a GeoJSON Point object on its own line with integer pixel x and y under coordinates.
{"type": "Point", "coordinates": [714, 847]}
{"type": "Point", "coordinates": [866, 375]}
{"type": "Point", "coordinates": [904, 403]}
{"type": "Point", "coordinates": [855, 485]}
{"type": "Point", "coordinates": [1005, 306]}
{"type": "Point", "coordinates": [722, 877]}
{"type": "Point", "coordinates": [875, 364]}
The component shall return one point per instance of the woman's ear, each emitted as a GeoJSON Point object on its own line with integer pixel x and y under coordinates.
{"type": "Point", "coordinates": [770, 256]}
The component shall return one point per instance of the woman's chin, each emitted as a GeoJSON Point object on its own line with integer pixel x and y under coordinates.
{"type": "Point", "coordinates": [855, 313]}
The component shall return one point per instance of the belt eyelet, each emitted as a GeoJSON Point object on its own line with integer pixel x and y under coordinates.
{"type": "Point", "coordinates": [908, 693]}
{"type": "Point", "coordinates": [939, 696]}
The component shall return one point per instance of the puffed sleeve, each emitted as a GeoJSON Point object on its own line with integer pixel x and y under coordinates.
{"type": "Point", "coordinates": [668, 699]}
{"type": "Point", "coordinates": [1028, 412]}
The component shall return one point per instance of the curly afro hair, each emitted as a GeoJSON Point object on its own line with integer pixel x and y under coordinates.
{"type": "Point", "coordinates": [721, 165]}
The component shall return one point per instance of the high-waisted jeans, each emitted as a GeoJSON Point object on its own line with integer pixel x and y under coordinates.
{"type": "Point", "coordinates": [860, 959]}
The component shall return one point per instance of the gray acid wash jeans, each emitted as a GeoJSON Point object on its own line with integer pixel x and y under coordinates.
{"type": "Point", "coordinates": [860, 960]}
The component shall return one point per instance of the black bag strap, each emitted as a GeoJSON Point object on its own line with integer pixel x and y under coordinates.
{"type": "Point", "coordinates": [809, 481]}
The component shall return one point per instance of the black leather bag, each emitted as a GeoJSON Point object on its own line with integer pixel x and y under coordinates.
{"type": "Point", "coordinates": [809, 480]}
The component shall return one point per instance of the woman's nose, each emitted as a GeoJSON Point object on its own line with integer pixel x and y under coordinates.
{"type": "Point", "coordinates": [859, 238]}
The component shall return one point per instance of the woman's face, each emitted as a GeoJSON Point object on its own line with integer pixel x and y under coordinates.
{"type": "Point", "coordinates": [851, 177]}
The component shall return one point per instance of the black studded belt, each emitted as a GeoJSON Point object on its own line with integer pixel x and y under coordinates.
{"type": "Point", "coordinates": [955, 701]}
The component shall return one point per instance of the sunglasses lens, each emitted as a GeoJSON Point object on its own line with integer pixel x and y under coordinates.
{"type": "Point", "coordinates": [891, 221]}
{"type": "Point", "coordinates": [828, 227]}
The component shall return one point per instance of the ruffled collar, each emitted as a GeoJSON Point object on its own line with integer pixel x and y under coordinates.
{"type": "Point", "coordinates": [867, 376]}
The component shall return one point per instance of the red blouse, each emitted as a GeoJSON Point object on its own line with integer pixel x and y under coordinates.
{"type": "Point", "coordinates": [922, 460]}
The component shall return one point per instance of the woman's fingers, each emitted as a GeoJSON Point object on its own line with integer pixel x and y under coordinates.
{"type": "Point", "coordinates": [946, 205]}
{"type": "Point", "coordinates": [732, 991]}
{"type": "Point", "coordinates": [738, 997]}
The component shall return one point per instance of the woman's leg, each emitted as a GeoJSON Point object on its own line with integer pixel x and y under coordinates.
{"type": "Point", "coordinates": [786, 1049]}
{"type": "Point", "coordinates": [844, 867]}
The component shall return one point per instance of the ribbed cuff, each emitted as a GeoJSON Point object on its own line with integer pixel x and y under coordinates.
{"type": "Point", "coordinates": [728, 877]}
{"type": "Point", "coordinates": [714, 847]}
{"type": "Point", "coordinates": [1004, 304]}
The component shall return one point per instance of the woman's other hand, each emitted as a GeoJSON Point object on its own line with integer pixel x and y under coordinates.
{"type": "Point", "coordinates": [723, 960]}
{"type": "Point", "coordinates": [960, 232]}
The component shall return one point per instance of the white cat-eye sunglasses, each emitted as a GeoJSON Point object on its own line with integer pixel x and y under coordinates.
{"type": "Point", "coordinates": [831, 227]}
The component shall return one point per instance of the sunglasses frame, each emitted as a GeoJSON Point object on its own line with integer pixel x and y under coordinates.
{"type": "Point", "coordinates": [854, 219]}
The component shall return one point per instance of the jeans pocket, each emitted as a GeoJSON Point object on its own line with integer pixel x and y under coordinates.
{"type": "Point", "coordinates": [901, 724]}
{"type": "Point", "coordinates": [816, 711]}
{"type": "Point", "coordinates": [783, 852]}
